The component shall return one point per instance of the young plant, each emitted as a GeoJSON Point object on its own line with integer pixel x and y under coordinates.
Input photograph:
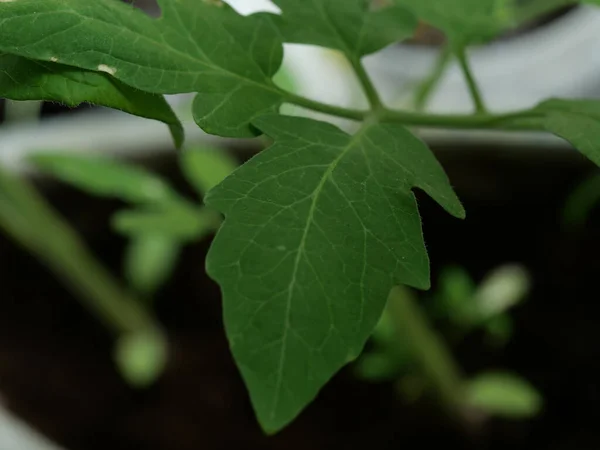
{"type": "Point", "coordinates": [161, 221]}
{"type": "Point", "coordinates": [407, 348]}
{"type": "Point", "coordinates": [320, 226]}
{"type": "Point", "coordinates": [159, 225]}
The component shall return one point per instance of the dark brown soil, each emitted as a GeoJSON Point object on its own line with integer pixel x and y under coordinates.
{"type": "Point", "coordinates": [56, 370]}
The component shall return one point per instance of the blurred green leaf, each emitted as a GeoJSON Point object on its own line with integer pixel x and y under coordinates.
{"type": "Point", "coordinates": [454, 296]}
{"type": "Point", "coordinates": [205, 167]}
{"type": "Point", "coordinates": [27, 217]}
{"type": "Point", "coordinates": [141, 357]}
{"type": "Point", "coordinates": [580, 203]}
{"type": "Point", "coordinates": [504, 395]}
{"type": "Point", "coordinates": [384, 333]}
{"type": "Point", "coordinates": [150, 260]}
{"type": "Point", "coordinates": [157, 237]}
{"type": "Point", "coordinates": [499, 329]}
{"type": "Point", "coordinates": [411, 387]}
{"type": "Point", "coordinates": [502, 289]}
{"type": "Point", "coordinates": [464, 21]}
{"type": "Point", "coordinates": [377, 366]}
{"type": "Point", "coordinates": [103, 176]}
{"type": "Point", "coordinates": [182, 224]}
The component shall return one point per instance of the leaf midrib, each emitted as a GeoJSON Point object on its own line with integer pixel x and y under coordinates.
{"type": "Point", "coordinates": [354, 140]}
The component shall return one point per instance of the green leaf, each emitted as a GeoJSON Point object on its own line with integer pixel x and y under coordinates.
{"type": "Point", "coordinates": [350, 26]}
{"type": "Point", "coordinates": [102, 176]}
{"type": "Point", "coordinates": [464, 21]}
{"type": "Point", "coordinates": [23, 79]}
{"type": "Point", "coordinates": [454, 297]}
{"type": "Point", "coordinates": [499, 329]}
{"type": "Point", "coordinates": [182, 224]}
{"type": "Point", "coordinates": [150, 260]}
{"type": "Point", "coordinates": [195, 46]}
{"type": "Point", "coordinates": [385, 333]}
{"type": "Point", "coordinates": [576, 121]}
{"type": "Point", "coordinates": [378, 366]}
{"type": "Point", "coordinates": [141, 357]}
{"type": "Point", "coordinates": [318, 229]}
{"type": "Point", "coordinates": [30, 221]}
{"type": "Point", "coordinates": [204, 168]}
{"type": "Point", "coordinates": [502, 289]}
{"type": "Point", "coordinates": [582, 201]}
{"type": "Point", "coordinates": [504, 395]}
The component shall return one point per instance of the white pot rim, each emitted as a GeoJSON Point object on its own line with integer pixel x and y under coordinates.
{"type": "Point", "coordinates": [515, 73]}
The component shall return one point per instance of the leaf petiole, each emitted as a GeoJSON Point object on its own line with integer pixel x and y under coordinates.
{"type": "Point", "coordinates": [367, 84]}
{"type": "Point", "coordinates": [470, 78]}
{"type": "Point", "coordinates": [518, 120]}
{"type": "Point", "coordinates": [428, 85]}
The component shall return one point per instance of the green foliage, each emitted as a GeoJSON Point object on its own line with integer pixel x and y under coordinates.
{"type": "Point", "coordinates": [405, 347]}
{"type": "Point", "coordinates": [485, 18]}
{"type": "Point", "coordinates": [501, 290]}
{"type": "Point", "coordinates": [205, 168]}
{"type": "Point", "coordinates": [102, 176]}
{"type": "Point", "coordinates": [469, 306]}
{"type": "Point", "coordinates": [173, 221]}
{"type": "Point", "coordinates": [196, 46]}
{"type": "Point", "coordinates": [141, 357]}
{"type": "Point", "coordinates": [150, 260]}
{"type": "Point", "coordinates": [577, 121]}
{"type": "Point", "coordinates": [467, 22]}
{"type": "Point", "coordinates": [504, 395]}
{"type": "Point", "coordinates": [351, 26]}
{"type": "Point", "coordinates": [162, 222]}
{"type": "Point", "coordinates": [23, 79]}
{"type": "Point", "coordinates": [454, 298]}
{"type": "Point", "coordinates": [294, 317]}
{"type": "Point", "coordinates": [320, 225]}
{"type": "Point", "coordinates": [582, 201]}
{"type": "Point", "coordinates": [29, 220]}
{"type": "Point", "coordinates": [459, 305]}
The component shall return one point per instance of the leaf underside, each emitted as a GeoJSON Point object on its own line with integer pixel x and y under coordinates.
{"type": "Point", "coordinates": [23, 79]}
{"type": "Point", "coordinates": [318, 229]}
{"type": "Point", "coordinates": [103, 176]}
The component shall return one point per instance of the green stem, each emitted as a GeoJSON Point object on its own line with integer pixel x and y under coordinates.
{"type": "Point", "coordinates": [337, 111]}
{"type": "Point", "coordinates": [471, 83]}
{"type": "Point", "coordinates": [30, 221]}
{"type": "Point", "coordinates": [426, 87]}
{"type": "Point", "coordinates": [518, 120]}
{"type": "Point", "coordinates": [367, 84]}
{"type": "Point", "coordinates": [428, 347]}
